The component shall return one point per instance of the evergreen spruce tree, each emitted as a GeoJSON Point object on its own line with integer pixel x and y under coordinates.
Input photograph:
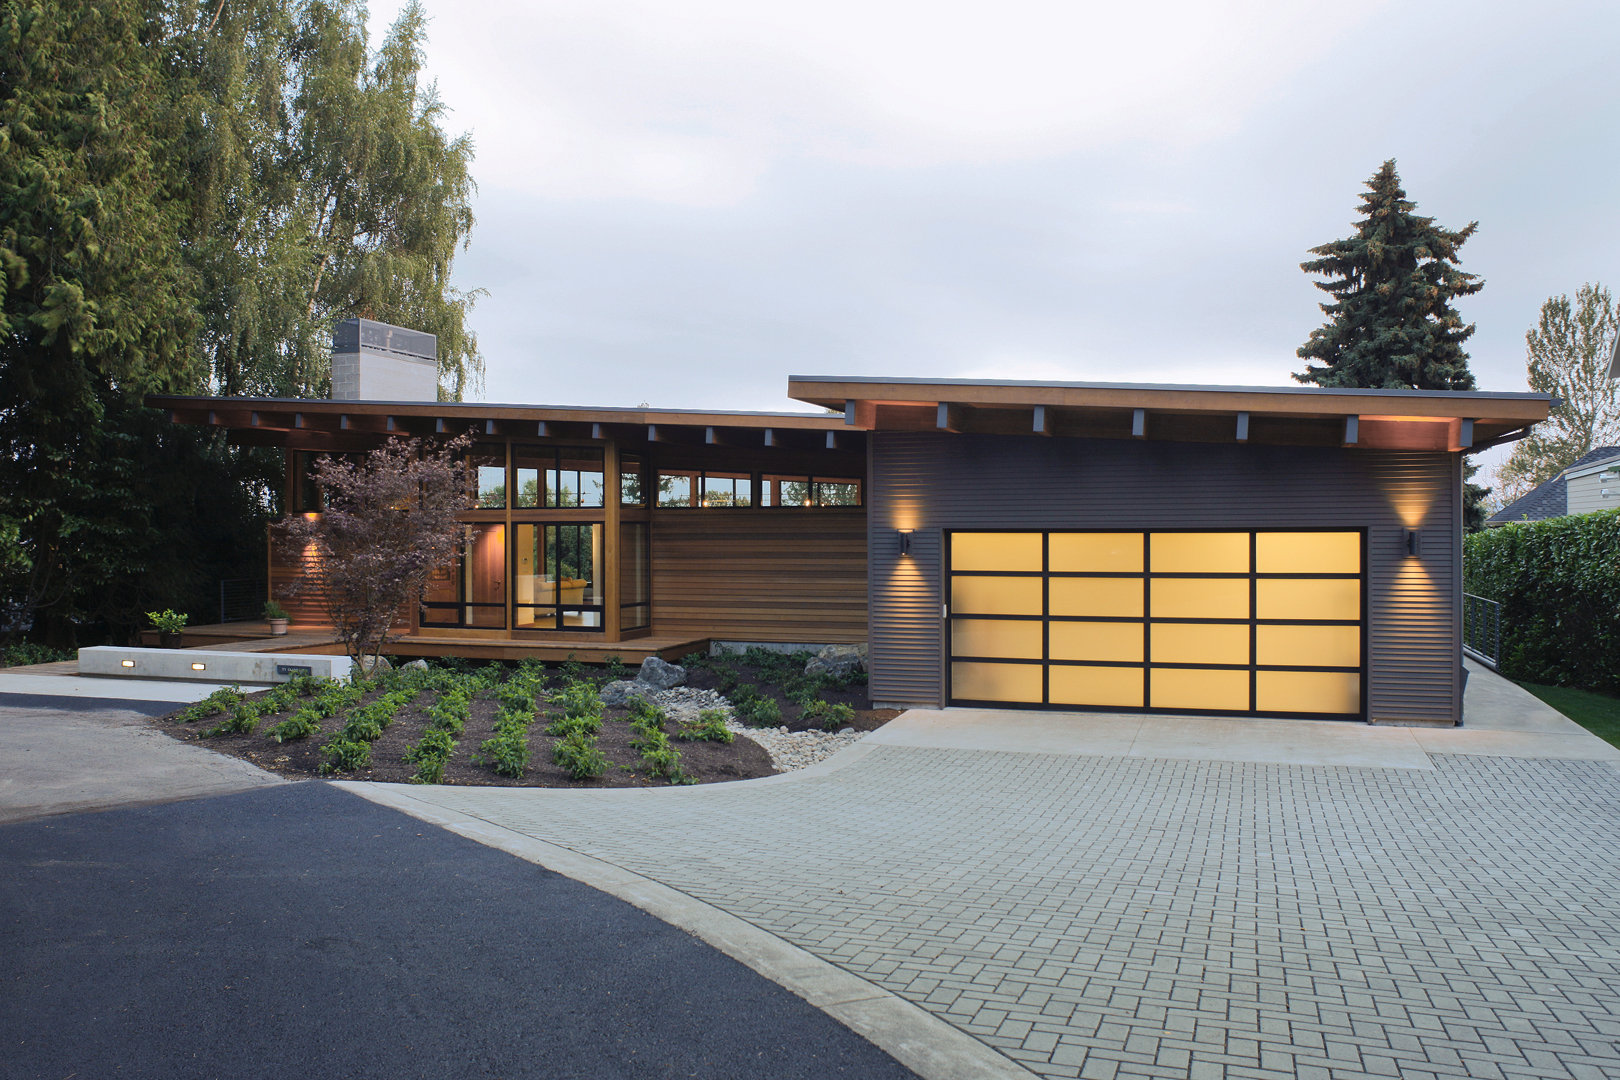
{"type": "Point", "coordinates": [1391, 325]}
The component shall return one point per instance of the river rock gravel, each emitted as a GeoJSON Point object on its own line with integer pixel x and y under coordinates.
{"type": "Point", "coordinates": [789, 750]}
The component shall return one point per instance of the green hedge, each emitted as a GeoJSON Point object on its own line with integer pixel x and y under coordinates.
{"type": "Point", "coordinates": [1559, 585]}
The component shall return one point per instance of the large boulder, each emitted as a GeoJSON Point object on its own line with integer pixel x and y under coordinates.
{"type": "Point", "coordinates": [617, 695]}
{"type": "Point", "coordinates": [661, 674]}
{"type": "Point", "coordinates": [417, 665]}
{"type": "Point", "coordinates": [837, 661]}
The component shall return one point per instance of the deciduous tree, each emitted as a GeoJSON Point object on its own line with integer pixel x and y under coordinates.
{"type": "Point", "coordinates": [1567, 355]}
{"type": "Point", "coordinates": [389, 519]}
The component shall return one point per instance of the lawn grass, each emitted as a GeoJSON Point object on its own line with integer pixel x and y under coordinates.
{"type": "Point", "coordinates": [1597, 713]}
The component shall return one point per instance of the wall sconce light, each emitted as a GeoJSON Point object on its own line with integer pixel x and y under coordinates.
{"type": "Point", "coordinates": [199, 667]}
{"type": "Point", "coordinates": [127, 663]}
{"type": "Point", "coordinates": [1414, 542]}
{"type": "Point", "coordinates": [905, 541]}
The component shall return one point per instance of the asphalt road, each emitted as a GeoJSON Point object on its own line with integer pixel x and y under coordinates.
{"type": "Point", "coordinates": [297, 930]}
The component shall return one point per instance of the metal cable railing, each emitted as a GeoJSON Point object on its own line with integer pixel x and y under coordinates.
{"type": "Point", "coordinates": [1482, 629]}
{"type": "Point", "coordinates": [241, 599]}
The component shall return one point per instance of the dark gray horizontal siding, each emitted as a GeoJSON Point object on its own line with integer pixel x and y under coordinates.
{"type": "Point", "coordinates": [932, 483]}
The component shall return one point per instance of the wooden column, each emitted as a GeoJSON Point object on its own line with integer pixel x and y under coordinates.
{"type": "Point", "coordinates": [612, 500]}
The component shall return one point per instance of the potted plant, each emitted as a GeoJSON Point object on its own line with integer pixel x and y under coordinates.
{"type": "Point", "coordinates": [168, 624]}
{"type": "Point", "coordinates": [277, 616]}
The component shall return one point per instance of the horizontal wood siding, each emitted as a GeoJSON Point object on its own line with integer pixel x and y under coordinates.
{"type": "Point", "coordinates": [933, 482]}
{"type": "Point", "coordinates": [760, 575]}
{"type": "Point", "coordinates": [292, 583]}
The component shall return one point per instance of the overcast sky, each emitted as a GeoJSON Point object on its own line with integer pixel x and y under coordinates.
{"type": "Point", "coordinates": [685, 202]}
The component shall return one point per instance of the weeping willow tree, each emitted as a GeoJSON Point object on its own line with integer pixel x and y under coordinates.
{"type": "Point", "coordinates": [325, 187]}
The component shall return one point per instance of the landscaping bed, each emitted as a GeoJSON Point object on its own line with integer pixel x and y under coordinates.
{"type": "Point", "coordinates": [524, 726]}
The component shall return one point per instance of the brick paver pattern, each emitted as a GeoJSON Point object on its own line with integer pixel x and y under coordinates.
{"type": "Point", "coordinates": [1103, 917]}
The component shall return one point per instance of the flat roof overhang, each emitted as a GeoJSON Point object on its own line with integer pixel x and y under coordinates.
{"type": "Point", "coordinates": [1441, 420]}
{"type": "Point", "coordinates": [309, 424]}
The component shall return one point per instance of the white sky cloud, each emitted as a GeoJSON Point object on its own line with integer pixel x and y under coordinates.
{"type": "Point", "coordinates": [683, 203]}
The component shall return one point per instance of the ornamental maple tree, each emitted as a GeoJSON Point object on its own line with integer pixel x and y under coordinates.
{"type": "Point", "coordinates": [390, 518]}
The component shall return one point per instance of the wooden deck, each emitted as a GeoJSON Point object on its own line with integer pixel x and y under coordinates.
{"type": "Point", "coordinates": [255, 637]}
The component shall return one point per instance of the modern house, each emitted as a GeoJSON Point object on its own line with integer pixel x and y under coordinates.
{"type": "Point", "coordinates": [1249, 551]}
{"type": "Point", "coordinates": [1592, 483]}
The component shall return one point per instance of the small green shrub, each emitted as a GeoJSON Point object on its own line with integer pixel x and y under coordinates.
{"type": "Point", "coordinates": [300, 725]}
{"type": "Point", "coordinates": [641, 709]}
{"type": "Point", "coordinates": [614, 668]}
{"type": "Point", "coordinates": [710, 726]}
{"type": "Point", "coordinates": [579, 756]}
{"type": "Point", "coordinates": [26, 653]}
{"type": "Point", "coordinates": [273, 610]}
{"type": "Point", "coordinates": [507, 752]}
{"type": "Point", "coordinates": [345, 755]}
{"type": "Point", "coordinates": [694, 660]}
{"type": "Point", "coordinates": [239, 721]}
{"type": "Point", "coordinates": [430, 754]}
{"type": "Point", "coordinates": [663, 762]}
{"type": "Point", "coordinates": [562, 725]}
{"type": "Point", "coordinates": [830, 716]}
{"type": "Point", "coordinates": [802, 689]}
{"type": "Point", "coordinates": [167, 621]}
{"type": "Point", "coordinates": [759, 712]}
{"type": "Point", "coordinates": [225, 699]}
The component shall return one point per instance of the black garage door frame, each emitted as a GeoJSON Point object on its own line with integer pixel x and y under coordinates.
{"type": "Point", "coordinates": [1147, 620]}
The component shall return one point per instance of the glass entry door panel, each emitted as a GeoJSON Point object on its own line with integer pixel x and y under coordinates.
{"type": "Point", "coordinates": [472, 593]}
{"type": "Point", "coordinates": [558, 570]}
{"type": "Point", "coordinates": [1239, 622]}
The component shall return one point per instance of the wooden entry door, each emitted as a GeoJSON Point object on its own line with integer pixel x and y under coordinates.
{"type": "Point", "coordinates": [1251, 622]}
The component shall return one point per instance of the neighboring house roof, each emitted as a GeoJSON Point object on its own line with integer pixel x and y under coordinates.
{"type": "Point", "coordinates": [1551, 499]}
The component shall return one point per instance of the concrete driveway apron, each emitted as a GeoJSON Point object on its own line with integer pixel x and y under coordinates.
{"type": "Point", "coordinates": [1159, 896]}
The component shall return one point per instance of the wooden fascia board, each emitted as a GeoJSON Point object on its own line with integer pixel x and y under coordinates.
{"type": "Point", "coordinates": [1302, 404]}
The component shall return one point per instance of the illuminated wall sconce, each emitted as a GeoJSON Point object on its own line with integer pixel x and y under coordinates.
{"type": "Point", "coordinates": [199, 667]}
{"type": "Point", "coordinates": [1414, 542]}
{"type": "Point", "coordinates": [905, 541]}
{"type": "Point", "coordinates": [127, 663]}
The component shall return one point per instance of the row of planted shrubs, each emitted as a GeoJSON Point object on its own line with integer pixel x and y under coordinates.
{"type": "Point", "coordinates": [575, 719]}
{"type": "Point", "coordinates": [1558, 582]}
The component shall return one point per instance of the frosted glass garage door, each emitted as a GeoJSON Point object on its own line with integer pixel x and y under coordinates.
{"type": "Point", "coordinates": [1259, 622]}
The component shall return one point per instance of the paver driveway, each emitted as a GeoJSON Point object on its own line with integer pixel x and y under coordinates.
{"type": "Point", "coordinates": [1100, 916]}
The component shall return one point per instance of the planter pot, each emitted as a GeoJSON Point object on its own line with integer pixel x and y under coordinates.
{"type": "Point", "coordinates": [278, 626]}
{"type": "Point", "coordinates": [169, 641]}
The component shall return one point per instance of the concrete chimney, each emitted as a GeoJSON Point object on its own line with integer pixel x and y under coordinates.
{"type": "Point", "coordinates": [373, 361]}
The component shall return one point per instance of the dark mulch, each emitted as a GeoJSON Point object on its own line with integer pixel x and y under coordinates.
{"type": "Point", "coordinates": [705, 762]}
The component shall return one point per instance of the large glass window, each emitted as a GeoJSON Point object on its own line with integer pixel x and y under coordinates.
{"type": "Point", "coordinates": [557, 477]}
{"type": "Point", "coordinates": [635, 577]}
{"type": "Point", "coordinates": [786, 491]}
{"type": "Point", "coordinates": [558, 577]}
{"type": "Point", "coordinates": [529, 465]}
{"type": "Point", "coordinates": [780, 490]}
{"type": "Point", "coordinates": [631, 492]}
{"type": "Point", "coordinates": [576, 480]}
{"type": "Point", "coordinates": [728, 489]}
{"type": "Point", "coordinates": [676, 489]}
{"type": "Point", "coordinates": [488, 469]}
{"type": "Point", "coordinates": [471, 593]}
